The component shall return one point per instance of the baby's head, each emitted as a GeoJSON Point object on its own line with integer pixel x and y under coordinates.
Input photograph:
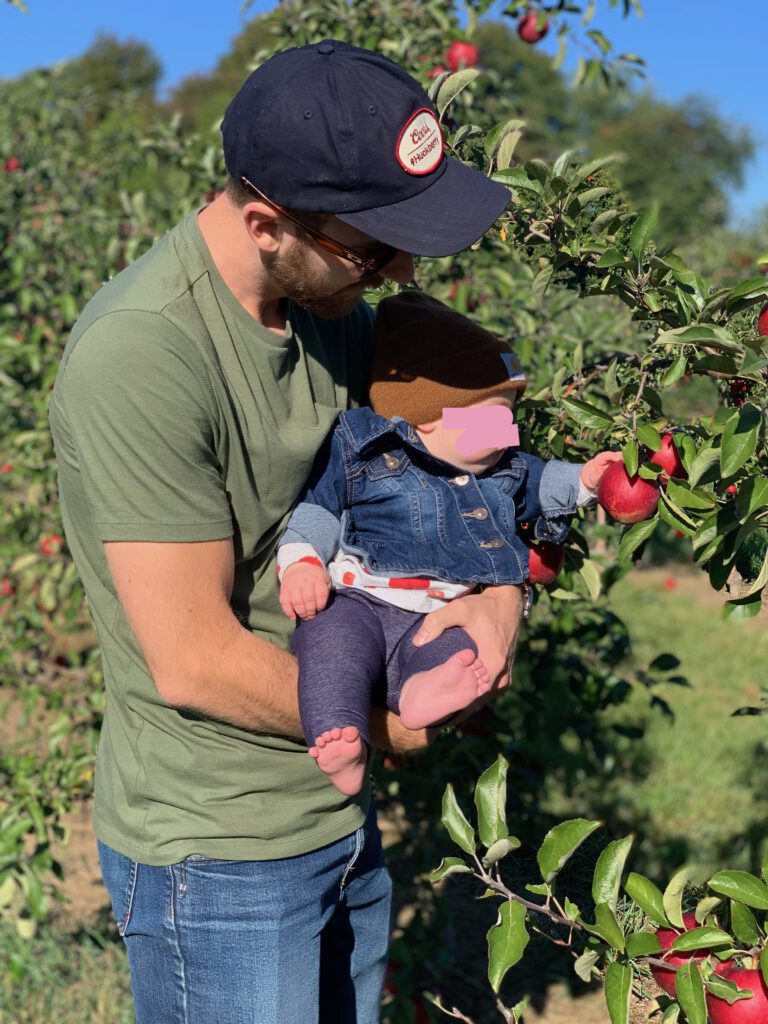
{"type": "Point", "coordinates": [428, 358]}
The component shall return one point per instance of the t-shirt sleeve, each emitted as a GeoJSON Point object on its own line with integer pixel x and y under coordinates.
{"type": "Point", "coordinates": [142, 418]}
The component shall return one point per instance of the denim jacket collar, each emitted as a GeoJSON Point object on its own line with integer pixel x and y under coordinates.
{"type": "Point", "coordinates": [364, 431]}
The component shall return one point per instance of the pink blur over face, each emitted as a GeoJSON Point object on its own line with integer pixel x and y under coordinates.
{"type": "Point", "coordinates": [474, 437]}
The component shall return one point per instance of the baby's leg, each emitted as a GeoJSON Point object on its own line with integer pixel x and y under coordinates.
{"type": "Point", "coordinates": [439, 679]}
{"type": "Point", "coordinates": [341, 655]}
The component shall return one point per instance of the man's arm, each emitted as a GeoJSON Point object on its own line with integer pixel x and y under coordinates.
{"type": "Point", "coordinates": [176, 598]}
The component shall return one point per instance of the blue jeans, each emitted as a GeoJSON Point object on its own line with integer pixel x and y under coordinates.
{"type": "Point", "coordinates": [301, 940]}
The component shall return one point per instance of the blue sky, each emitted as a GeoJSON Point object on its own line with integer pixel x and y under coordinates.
{"type": "Point", "coordinates": [691, 46]}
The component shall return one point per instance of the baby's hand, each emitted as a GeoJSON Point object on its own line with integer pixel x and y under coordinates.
{"type": "Point", "coordinates": [304, 590]}
{"type": "Point", "coordinates": [592, 471]}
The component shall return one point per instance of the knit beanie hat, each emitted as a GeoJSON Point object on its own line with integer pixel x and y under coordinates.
{"type": "Point", "coordinates": [427, 357]}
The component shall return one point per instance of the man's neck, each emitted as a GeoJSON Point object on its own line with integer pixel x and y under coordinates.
{"type": "Point", "coordinates": [237, 261]}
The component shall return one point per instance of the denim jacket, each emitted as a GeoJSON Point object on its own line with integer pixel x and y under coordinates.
{"type": "Point", "coordinates": [376, 492]}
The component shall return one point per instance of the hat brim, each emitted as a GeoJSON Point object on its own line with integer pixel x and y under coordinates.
{"type": "Point", "coordinates": [443, 219]}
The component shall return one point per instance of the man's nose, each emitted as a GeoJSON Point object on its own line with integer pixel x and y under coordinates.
{"type": "Point", "coordinates": [400, 269]}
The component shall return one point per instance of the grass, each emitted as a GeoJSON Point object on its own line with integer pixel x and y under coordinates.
{"type": "Point", "coordinates": [697, 792]}
{"type": "Point", "coordinates": [70, 978]}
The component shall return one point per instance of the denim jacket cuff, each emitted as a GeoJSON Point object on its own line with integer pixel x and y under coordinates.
{"type": "Point", "coordinates": [313, 525]}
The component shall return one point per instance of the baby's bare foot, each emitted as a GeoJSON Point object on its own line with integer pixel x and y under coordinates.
{"type": "Point", "coordinates": [342, 755]}
{"type": "Point", "coordinates": [429, 697]}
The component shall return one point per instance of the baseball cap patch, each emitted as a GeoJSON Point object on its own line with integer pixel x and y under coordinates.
{"type": "Point", "coordinates": [420, 145]}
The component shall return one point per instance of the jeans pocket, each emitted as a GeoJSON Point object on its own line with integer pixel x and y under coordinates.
{"type": "Point", "coordinates": [120, 875]}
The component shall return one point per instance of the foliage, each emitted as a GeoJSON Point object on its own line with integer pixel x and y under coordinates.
{"type": "Point", "coordinates": [613, 935]}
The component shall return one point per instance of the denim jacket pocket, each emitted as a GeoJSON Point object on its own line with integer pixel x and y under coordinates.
{"type": "Point", "coordinates": [388, 464]}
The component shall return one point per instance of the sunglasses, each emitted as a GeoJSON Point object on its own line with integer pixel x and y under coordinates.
{"type": "Point", "coordinates": [368, 264]}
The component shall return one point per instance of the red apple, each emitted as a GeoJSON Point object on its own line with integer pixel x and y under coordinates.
{"type": "Point", "coordinates": [436, 71]}
{"type": "Point", "coordinates": [744, 1011]}
{"type": "Point", "coordinates": [13, 164]}
{"type": "Point", "coordinates": [50, 544]}
{"type": "Point", "coordinates": [627, 499]}
{"type": "Point", "coordinates": [762, 322]}
{"type": "Point", "coordinates": [732, 489]}
{"type": "Point", "coordinates": [545, 561]}
{"type": "Point", "coordinates": [461, 54]}
{"type": "Point", "coordinates": [669, 459]}
{"type": "Point", "coordinates": [528, 28]}
{"type": "Point", "coordinates": [665, 976]}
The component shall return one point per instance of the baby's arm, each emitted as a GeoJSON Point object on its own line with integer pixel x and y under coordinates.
{"type": "Point", "coordinates": [555, 490]}
{"type": "Point", "coordinates": [312, 535]}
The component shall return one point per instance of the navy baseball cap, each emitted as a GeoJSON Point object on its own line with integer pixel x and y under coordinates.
{"type": "Point", "coordinates": [332, 128]}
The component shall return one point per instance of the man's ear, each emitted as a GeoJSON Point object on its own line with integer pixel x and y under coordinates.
{"type": "Point", "coordinates": [261, 223]}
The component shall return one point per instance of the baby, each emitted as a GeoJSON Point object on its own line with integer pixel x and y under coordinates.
{"type": "Point", "coordinates": [401, 515]}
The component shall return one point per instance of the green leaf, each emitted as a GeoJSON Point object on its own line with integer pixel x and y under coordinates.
{"type": "Point", "coordinates": [764, 964]}
{"type": "Point", "coordinates": [541, 283]}
{"type": "Point", "coordinates": [500, 849]}
{"type": "Point", "coordinates": [724, 989]}
{"type": "Point", "coordinates": [586, 965]}
{"type": "Point", "coordinates": [457, 826]}
{"type": "Point", "coordinates": [517, 178]}
{"type": "Point", "coordinates": [618, 992]}
{"type": "Point", "coordinates": [452, 86]}
{"type": "Point", "coordinates": [649, 436]}
{"type": "Point", "coordinates": [643, 229]}
{"type": "Point", "coordinates": [610, 258]}
{"type": "Point", "coordinates": [686, 497]}
{"type": "Point", "coordinates": [449, 866]}
{"type": "Point", "coordinates": [590, 573]}
{"type": "Point", "coordinates": [675, 371]}
{"type": "Point", "coordinates": [648, 897]}
{"type": "Point", "coordinates": [741, 886]}
{"type": "Point", "coordinates": [587, 415]}
{"type": "Point", "coordinates": [700, 334]}
{"type": "Point", "coordinates": [606, 880]}
{"type": "Point", "coordinates": [631, 457]}
{"type": "Point", "coordinates": [739, 439]}
{"type": "Point", "coordinates": [705, 907]}
{"type": "Point", "coordinates": [754, 288]}
{"type": "Point", "coordinates": [507, 940]}
{"type": "Point", "coordinates": [671, 1014]}
{"type": "Point", "coordinates": [635, 536]}
{"type": "Point", "coordinates": [744, 924]}
{"type": "Point", "coordinates": [607, 927]}
{"type": "Point", "coordinates": [642, 944]}
{"type": "Point", "coordinates": [497, 134]}
{"type": "Point", "coordinates": [743, 609]}
{"type": "Point", "coordinates": [702, 938]}
{"type": "Point", "coordinates": [689, 990]}
{"type": "Point", "coordinates": [673, 897]}
{"type": "Point", "coordinates": [560, 843]}
{"type": "Point", "coordinates": [701, 463]}
{"type": "Point", "coordinates": [491, 802]}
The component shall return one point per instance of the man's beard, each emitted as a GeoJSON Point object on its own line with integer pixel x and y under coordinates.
{"type": "Point", "coordinates": [305, 288]}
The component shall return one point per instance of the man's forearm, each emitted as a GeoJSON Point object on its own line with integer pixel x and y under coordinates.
{"type": "Point", "coordinates": [246, 681]}
{"type": "Point", "coordinates": [253, 684]}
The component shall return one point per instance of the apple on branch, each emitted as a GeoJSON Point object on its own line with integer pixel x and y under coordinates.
{"type": "Point", "coordinates": [462, 54]}
{"type": "Point", "coordinates": [627, 499]}
{"type": "Point", "coordinates": [743, 1011]}
{"type": "Point", "coordinates": [528, 28]}
{"type": "Point", "coordinates": [545, 562]}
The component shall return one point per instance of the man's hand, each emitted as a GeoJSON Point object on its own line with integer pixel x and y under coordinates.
{"type": "Point", "coordinates": [492, 619]}
{"type": "Point", "coordinates": [304, 590]}
{"type": "Point", "coordinates": [592, 472]}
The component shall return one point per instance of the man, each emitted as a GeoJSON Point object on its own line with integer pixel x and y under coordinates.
{"type": "Point", "coordinates": [193, 394]}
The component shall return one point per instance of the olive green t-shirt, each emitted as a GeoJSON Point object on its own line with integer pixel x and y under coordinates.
{"type": "Point", "coordinates": [178, 417]}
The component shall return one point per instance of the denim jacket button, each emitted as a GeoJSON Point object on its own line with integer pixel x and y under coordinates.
{"type": "Point", "coordinates": [476, 513]}
{"type": "Point", "coordinates": [391, 461]}
{"type": "Point", "coordinates": [497, 543]}
{"type": "Point", "coordinates": [461, 480]}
